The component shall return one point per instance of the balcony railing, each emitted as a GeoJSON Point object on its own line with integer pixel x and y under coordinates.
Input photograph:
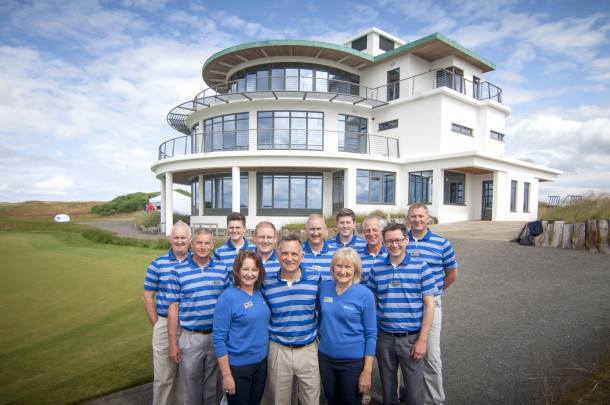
{"type": "Point", "coordinates": [280, 139]}
{"type": "Point", "coordinates": [309, 88]}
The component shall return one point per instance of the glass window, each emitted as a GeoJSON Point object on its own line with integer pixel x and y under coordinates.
{"type": "Point", "coordinates": [513, 195]}
{"type": "Point", "coordinates": [460, 129]}
{"type": "Point", "coordinates": [496, 135]}
{"type": "Point", "coordinates": [226, 132]}
{"type": "Point", "coordinates": [393, 88]}
{"type": "Point", "coordinates": [388, 125]}
{"type": "Point", "coordinates": [526, 197]}
{"type": "Point", "coordinates": [194, 193]}
{"type": "Point", "coordinates": [374, 186]}
{"type": "Point", "coordinates": [451, 77]}
{"type": "Point", "coordinates": [218, 191]}
{"type": "Point", "coordinates": [293, 130]}
{"type": "Point", "coordinates": [353, 134]}
{"type": "Point", "coordinates": [420, 187]}
{"type": "Point", "coordinates": [289, 193]}
{"type": "Point", "coordinates": [454, 187]}
{"type": "Point", "coordinates": [385, 43]}
{"type": "Point", "coordinates": [359, 44]}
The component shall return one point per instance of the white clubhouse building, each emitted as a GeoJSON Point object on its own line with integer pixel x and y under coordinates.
{"type": "Point", "coordinates": [288, 128]}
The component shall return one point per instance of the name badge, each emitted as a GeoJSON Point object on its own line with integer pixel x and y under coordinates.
{"type": "Point", "coordinates": [328, 299]}
{"type": "Point", "coordinates": [395, 283]}
{"type": "Point", "coordinates": [248, 304]}
{"type": "Point", "coordinates": [316, 267]}
{"type": "Point", "coordinates": [414, 253]}
{"type": "Point", "coordinates": [217, 282]}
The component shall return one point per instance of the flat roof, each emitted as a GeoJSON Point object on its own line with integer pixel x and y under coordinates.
{"type": "Point", "coordinates": [430, 48]}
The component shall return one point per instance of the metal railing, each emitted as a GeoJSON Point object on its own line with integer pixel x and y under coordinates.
{"type": "Point", "coordinates": [310, 88]}
{"type": "Point", "coordinates": [280, 139]}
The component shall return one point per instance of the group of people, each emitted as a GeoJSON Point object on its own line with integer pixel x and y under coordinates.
{"type": "Point", "coordinates": [280, 326]}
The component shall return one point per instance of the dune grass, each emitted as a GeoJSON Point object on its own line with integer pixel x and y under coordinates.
{"type": "Point", "coordinates": [591, 206]}
{"type": "Point", "coordinates": [74, 327]}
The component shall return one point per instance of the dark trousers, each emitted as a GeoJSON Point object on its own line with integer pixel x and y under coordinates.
{"type": "Point", "coordinates": [249, 383]}
{"type": "Point", "coordinates": [340, 379]}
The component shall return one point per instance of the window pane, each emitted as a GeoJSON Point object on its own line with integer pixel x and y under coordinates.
{"type": "Point", "coordinates": [243, 192]}
{"type": "Point", "coordinates": [267, 192]}
{"type": "Point", "coordinates": [280, 192]}
{"type": "Point", "coordinates": [362, 188]}
{"type": "Point", "coordinates": [314, 193]}
{"type": "Point", "coordinates": [297, 192]}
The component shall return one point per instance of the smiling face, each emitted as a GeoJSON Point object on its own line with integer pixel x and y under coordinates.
{"type": "Point", "coordinates": [395, 243]}
{"type": "Point", "coordinates": [179, 240]}
{"type": "Point", "coordinates": [236, 231]}
{"type": "Point", "coordinates": [248, 274]}
{"type": "Point", "coordinates": [265, 239]}
{"type": "Point", "coordinates": [290, 254]}
{"type": "Point", "coordinates": [343, 272]}
{"type": "Point", "coordinates": [202, 247]}
{"type": "Point", "coordinates": [316, 231]}
{"type": "Point", "coordinates": [418, 219]}
{"type": "Point", "coordinates": [372, 232]}
{"type": "Point", "coordinates": [346, 226]}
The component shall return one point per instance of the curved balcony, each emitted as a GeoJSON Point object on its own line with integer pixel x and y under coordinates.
{"type": "Point", "coordinates": [309, 88]}
{"type": "Point", "coordinates": [280, 139]}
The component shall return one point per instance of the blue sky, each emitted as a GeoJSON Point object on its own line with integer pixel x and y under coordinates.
{"type": "Point", "coordinates": [85, 86]}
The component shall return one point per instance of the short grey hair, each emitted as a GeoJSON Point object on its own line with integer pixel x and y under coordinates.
{"type": "Point", "coordinates": [202, 231]}
{"type": "Point", "coordinates": [179, 224]}
{"type": "Point", "coordinates": [382, 222]}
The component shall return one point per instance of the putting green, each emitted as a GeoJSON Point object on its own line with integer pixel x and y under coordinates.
{"type": "Point", "coordinates": [73, 323]}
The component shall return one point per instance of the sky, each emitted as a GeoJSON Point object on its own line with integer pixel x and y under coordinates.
{"type": "Point", "coordinates": [85, 86]}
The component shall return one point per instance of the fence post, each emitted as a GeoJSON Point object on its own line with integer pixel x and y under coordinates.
{"type": "Point", "coordinates": [591, 230]}
{"type": "Point", "coordinates": [602, 226]}
{"type": "Point", "coordinates": [557, 234]}
{"type": "Point", "coordinates": [566, 240]}
{"type": "Point", "coordinates": [578, 242]}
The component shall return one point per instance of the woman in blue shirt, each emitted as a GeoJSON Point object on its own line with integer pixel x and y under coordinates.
{"type": "Point", "coordinates": [348, 330]}
{"type": "Point", "coordinates": [241, 332]}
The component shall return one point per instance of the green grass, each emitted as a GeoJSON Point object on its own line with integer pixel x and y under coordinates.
{"type": "Point", "coordinates": [591, 206]}
{"type": "Point", "coordinates": [74, 326]}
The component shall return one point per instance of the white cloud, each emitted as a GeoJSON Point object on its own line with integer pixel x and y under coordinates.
{"type": "Point", "coordinates": [54, 185]}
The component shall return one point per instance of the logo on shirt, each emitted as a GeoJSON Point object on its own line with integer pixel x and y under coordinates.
{"type": "Point", "coordinates": [350, 308]}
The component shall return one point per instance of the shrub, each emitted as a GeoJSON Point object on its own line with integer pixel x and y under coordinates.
{"type": "Point", "coordinates": [125, 203]}
{"type": "Point", "coordinates": [147, 219]}
{"type": "Point", "coordinates": [590, 206]}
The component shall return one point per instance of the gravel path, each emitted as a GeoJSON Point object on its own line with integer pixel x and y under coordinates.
{"type": "Point", "coordinates": [517, 317]}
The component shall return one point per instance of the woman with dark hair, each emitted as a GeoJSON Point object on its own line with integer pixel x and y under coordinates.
{"type": "Point", "coordinates": [348, 330]}
{"type": "Point", "coordinates": [241, 332]}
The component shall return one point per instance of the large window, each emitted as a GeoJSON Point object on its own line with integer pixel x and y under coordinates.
{"type": "Point", "coordinates": [194, 194]}
{"type": "Point", "coordinates": [300, 130]}
{"type": "Point", "coordinates": [385, 43]}
{"type": "Point", "coordinates": [451, 77]}
{"type": "Point", "coordinates": [373, 186]}
{"type": "Point", "coordinates": [513, 195]}
{"type": "Point", "coordinates": [295, 76]}
{"type": "Point", "coordinates": [289, 194]}
{"type": "Point", "coordinates": [352, 135]}
{"type": "Point", "coordinates": [526, 197]}
{"type": "Point", "coordinates": [359, 44]}
{"type": "Point", "coordinates": [218, 192]}
{"type": "Point", "coordinates": [226, 132]}
{"type": "Point", "coordinates": [393, 77]}
{"type": "Point", "coordinates": [420, 187]}
{"type": "Point", "coordinates": [454, 187]}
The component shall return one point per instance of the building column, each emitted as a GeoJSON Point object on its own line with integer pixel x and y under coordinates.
{"type": "Point", "coordinates": [199, 196]}
{"type": "Point", "coordinates": [169, 202]}
{"type": "Point", "coordinates": [501, 197]}
{"type": "Point", "coordinates": [349, 188]}
{"type": "Point", "coordinates": [162, 226]}
{"type": "Point", "coordinates": [235, 182]}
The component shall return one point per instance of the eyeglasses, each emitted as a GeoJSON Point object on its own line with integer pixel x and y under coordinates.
{"type": "Point", "coordinates": [394, 241]}
{"type": "Point", "coordinates": [264, 237]}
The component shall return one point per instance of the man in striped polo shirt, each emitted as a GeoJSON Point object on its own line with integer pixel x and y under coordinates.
{"type": "Point", "coordinates": [264, 239]}
{"type": "Point", "coordinates": [437, 252]}
{"type": "Point", "coordinates": [193, 290]}
{"type": "Point", "coordinates": [404, 288]}
{"type": "Point", "coordinates": [373, 252]}
{"type": "Point", "coordinates": [346, 223]}
{"type": "Point", "coordinates": [318, 252]}
{"type": "Point", "coordinates": [226, 253]}
{"type": "Point", "coordinates": [293, 349]}
{"type": "Point", "coordinates": [166, 382]}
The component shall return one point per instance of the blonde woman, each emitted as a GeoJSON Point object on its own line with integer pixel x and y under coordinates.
{"type": "Point", "coordinates": [348, 331]}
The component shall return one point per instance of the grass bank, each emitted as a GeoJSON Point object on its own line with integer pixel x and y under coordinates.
{"type": "Point", "coordinates": [74, 327]}
{"type": "Point", "coordinates": [590, 206]}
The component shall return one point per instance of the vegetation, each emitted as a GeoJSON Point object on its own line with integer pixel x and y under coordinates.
{"type": "Point", "coordinates": [153, 218]}
{"type": "Point", "coordinates": [43, 210]}
{"type": "Point", "coordinates": [124, 203]}
{"type": "Point", "coordinates": [591, 206]}
{"type": "Point", "coordinates": [331, 221]}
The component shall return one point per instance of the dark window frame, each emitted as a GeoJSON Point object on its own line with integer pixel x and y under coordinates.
{"type": "Point", "coordinates": [273, 211]}
{"type": "Point", "coordinates": [386, 196]}
{"type": "Point", "coordinates": [386, 44]}
{"type": "Point", "coordinates": [454, 192]}
{"type": "Point", "coordinates": [221, 178]}
{"type": "Point", "coordinates": [420, 186]}
{"type": "Point", "coordinates": [461, 129]}
{"type": "Point", "coordinates": [360, 44]}
{"type": "Point", "coordinates": [383, 126]}
{"type": "Point", "coordinates": [498, 136]}
{"type": "Point", "coordinates": [513, 195]}
{"type": "Point", "coordinates": [293, 132]}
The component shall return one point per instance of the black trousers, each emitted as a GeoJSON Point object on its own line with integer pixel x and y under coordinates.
{"type": "Point", "coordinates": [249, 383]}
{"type": "Point", "coordinates": [340, 379]}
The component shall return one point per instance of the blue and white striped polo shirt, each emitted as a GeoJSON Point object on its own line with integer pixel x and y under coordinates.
{"type": "Point", "coordinates": [272, 265]}
{"type": "Point", "coordinates": [400, 291]}
{"type": "Point", "coordinates": [437, 252]}
{"type": "Point", "coordinates": [320, 261]}
{"type": "Point", "coordinates": [356, 242]}
{"type": "Point", "coordinates": [368, 260]}
{"type": "Point", "coordinates": [197, 290]}
{"type": "Point", "coordinates": [227, 252]}
{"type": "Point", "coordinates": [157, 275]}
{"type": "Point", "coordinates": [293, 308]}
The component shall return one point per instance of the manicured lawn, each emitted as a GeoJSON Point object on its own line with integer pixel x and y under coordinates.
{"type": "Point", "coordinates": [73, 324]}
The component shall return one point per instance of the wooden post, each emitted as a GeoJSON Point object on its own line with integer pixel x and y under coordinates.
{"type": "Point", "coordinates": [557, 234]}
{"type": "Point", "coordinates": [539, 240]}
{"type": "Point", "coordinates": [602, 227]}
{"type": "Point", "coordinates": [566, 240]}
{"type": "Point", "coordinates": [578, 240]}
{"type": "Point", "coordinates": [591, 230]}
{"type": "Point", "coordinates": [548, 230]}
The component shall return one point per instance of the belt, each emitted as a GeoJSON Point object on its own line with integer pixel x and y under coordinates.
{"type": "Point", "coordinates": [295, 346]}
{"type": "Point", "coordinates": [402, 334]}
{"type": "Point", "coordinates": [162, 316]}
{"type": "Point", "coordinates": [200, 331]}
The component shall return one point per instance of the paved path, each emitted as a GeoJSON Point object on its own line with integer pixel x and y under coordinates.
{"type": "Point", "coordinates": [516, 319]}
{"type": "Point", "coordinates": [123, 229]}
